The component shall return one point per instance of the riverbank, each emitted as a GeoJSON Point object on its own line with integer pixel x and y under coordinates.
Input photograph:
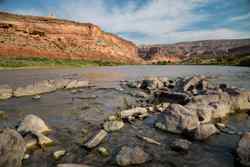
{"type": "Point", "coordinates": [32, 63]}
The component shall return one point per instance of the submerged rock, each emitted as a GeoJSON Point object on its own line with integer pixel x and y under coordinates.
{"type": "Point", "coordinates": [177, 119]}
{"type": "Point", "coordinates": [32, 123]}
{"type": "Point", "coordinates": [12, 148]}
{"type": "Point", "coordinates": [111, 126]}
{"type": "Point", "coordinates": [103, 151]}
{"type": "Point", "coordinates": [131, 156]}
{"type": "Point", "coordinates": [172, 97]}
{"type": "Point", "coordinates": [6, 92]}
{"type": "Point", "coordinates": [77, 84]}
{"type": "Point", "coordinates": [180, 145]}
{"type": "Point", "coordinates": [34, 89]}
{"type": "Point", "coordinates": [96, 139]}
{"type": "Point", "coordinates": [204, 131]}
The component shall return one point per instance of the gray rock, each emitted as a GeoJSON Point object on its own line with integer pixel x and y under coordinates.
{"type": "Point", "coordinates": [180, 145]}
{"type": "Point", "coordinates": [35, 89]}
{"type": "Point", "coordinates": [204, 131]}
{"type": "Point", "coordinates": [111, 126]}
{"type": "Point", "coordinates": [178, 119]}
{"type": "Point", "coordinates": [243, 149]}
{"type": "Point", "coordinates": [151, 83]}
{"type": "Point", "coordinates": [32, 123]}
{"type": "Point", "coordinates": [12, 148]}
{"type": "Point", "coordinates": [203, 111]}
{"type": "Point", "coordinates": [241, 102]}
{"type": "Point", "coordinates": [131, 156]}
{"type": "Point", "coordinates": [195, 82]}
{"type": "Point", "coordinates": [96, 139]}
{"type": "Point", "coordinates": [72, 165]}
{"type": "Point", "coordinates": [6, 92]}
{"type": "Point", "coordinates": [58, 154]}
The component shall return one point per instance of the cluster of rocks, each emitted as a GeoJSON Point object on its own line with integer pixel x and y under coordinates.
{"type": "Point", "coordinates": [193, 107]}
{"type": "Point", "coordinates": [40, 87]}
{"type": "Point", "coordinates": [190, 107]}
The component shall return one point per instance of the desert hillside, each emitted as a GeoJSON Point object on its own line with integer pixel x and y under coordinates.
{"type": "Point", "coordinates": [29, 36]}
{"type": "Point", "coordinates": [198, 49]}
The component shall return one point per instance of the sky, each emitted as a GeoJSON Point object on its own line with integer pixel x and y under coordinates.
{"type": "Point", "coordinates": [149, 21]}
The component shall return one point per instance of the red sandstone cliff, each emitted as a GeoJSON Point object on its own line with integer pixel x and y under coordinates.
{"type": "Point", "coordinates": [28, 36]}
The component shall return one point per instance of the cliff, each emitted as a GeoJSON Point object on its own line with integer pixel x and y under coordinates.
{"type": "Point", "coordinates": [29, 36]}
{"type": "Point", "coordinates": [198, 49]}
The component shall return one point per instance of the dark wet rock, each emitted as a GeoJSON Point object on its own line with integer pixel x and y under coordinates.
{"type": "Point", "coordinates": [177, 119]}
{"type": "Point", "coordinates": [72, 165]}
{"type": "Point", "coordinates": [96, 139]}
{"type": "Point", "coordinates": [77, 84]}
{"type": "Point", "coordinates": [111, 126]}
{"type": "Point", "coordinates": [33, 123]}
{"type": "Point", "coordinates": [134, 84]}
{"type": "Point", "coordinates": [180, 145]}
{"type": "Point", "coordinates": [151, 83]}
{"type": "Point", "coordinates": [58, 154]}
{"type": "Point", "coordinates": [6, 92]}
{"type": "Point", "coordinates": [204, 131]}
{"type": "Point", "coordinates": [12, 148]}
{"type": "Point", "coordinates": [243, 149]}
{"type": "Point", "coordinates": [131, 156]}
{"type": "Point", "coordinates": [172, 97]}
{"type": "Point", "coordinates": [35, 89]}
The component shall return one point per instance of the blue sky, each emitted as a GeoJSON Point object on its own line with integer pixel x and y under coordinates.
{"type": "Point", "coordinates": [149, 21]}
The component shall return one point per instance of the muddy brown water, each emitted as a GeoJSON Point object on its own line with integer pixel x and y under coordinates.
{"type": "Point", "coordinates": [75, 116]}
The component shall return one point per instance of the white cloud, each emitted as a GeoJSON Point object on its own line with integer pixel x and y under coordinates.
{"type": "Point", "coordinates": [241, 17]}
{"type": "Point", "coordinates": [155, 19]}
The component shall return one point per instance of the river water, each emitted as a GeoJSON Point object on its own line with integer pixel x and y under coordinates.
{"type": "Point", "coordinates": [74, 116]}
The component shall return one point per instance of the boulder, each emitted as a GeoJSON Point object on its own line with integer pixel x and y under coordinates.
{"type": "Point", "coordinates": [151, 83]}
{"type": "Point", "coordinates": [241, 102]}
{"type": "Point", "coordinates": [12, 148]}
{"type": "Point", "coordinates": [177, 119]}
{"type": "Point", "coordinates": [131, 156]}
{"type": "Point", "coordinates": [111, 126]}
{"type": "Point", "coordinates": [6, 92]}
{"type": "Point", "coordinates": [96, 139]}
{"type": "Point", "coordinates": [180, 145]}
{"type": "Point", "coordinates": [204, 111]}
{"type": "Point", "coordinates": [77, 84]}
{"type": "Point", "coordinates": [220, 110]}
{"type": "Point", "coordinates": [162, 107]}
{"type": "Point", "coordinates": [134, 84]}
{"type": "Point", "coordinates": [34, 140]}
{"type": "Point", "coordinates": [204, 131]}
{"type": "Point", "coordinates": [243, 149]}
{"type": "Point", "coordinates": [33, 123]}
{"type": "Point", "coordinates": [35, 89]}
{"type": "Point", "coordinates": [195, 82]}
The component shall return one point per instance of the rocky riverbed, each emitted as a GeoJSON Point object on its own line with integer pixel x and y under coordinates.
{"type": "Point", "coordinates": [155, 121]}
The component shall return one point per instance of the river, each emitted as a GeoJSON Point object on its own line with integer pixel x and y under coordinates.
{"type": "Point", "coordinates": [69, 114]}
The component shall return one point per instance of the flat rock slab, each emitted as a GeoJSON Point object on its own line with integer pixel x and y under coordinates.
{"type": "Point", "coordinates": [6, 92]}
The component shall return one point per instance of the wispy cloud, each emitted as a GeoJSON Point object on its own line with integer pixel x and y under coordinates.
{"type": "Point", "coordinates": [241, 17]}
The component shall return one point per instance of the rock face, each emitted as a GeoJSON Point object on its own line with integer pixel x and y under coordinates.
{"type": "Point", "coordinates": [243, 149]}
{"type": "Point", "coordinates": [131, 156]}
{"type": "Point", "coordinates": [12, 148]}
{"type": "Point", "coordinates": [27, 36]}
